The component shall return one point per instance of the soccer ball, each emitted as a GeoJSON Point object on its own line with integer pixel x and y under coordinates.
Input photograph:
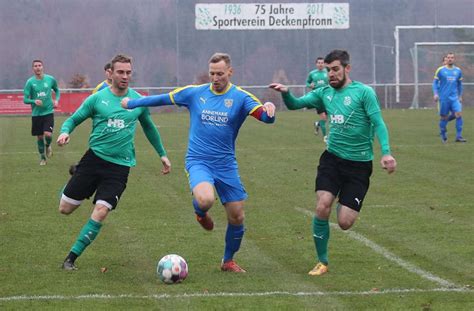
{"type": "Point", "coordinates": [172, 269]}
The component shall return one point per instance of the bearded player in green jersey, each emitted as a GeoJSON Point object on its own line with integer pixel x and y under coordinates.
{"type": "Point", "coordinates": [318, 78]}
{"type": "Point", "coordinates": [37, 93]}
{"type": "Point", "coordinates": [105, 167]}
{"type": "Point", "coordinates": [345, 167]}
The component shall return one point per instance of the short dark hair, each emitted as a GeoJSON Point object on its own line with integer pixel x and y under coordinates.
{"type": "Point", "coordinates": [340, 55]}
{"type": "Point", "coordinates": [36, 61]}
{"type": "Point", "coordinates": [107, 66]}
{"type": "Point", "coordinates": [120, 58]}
{"type": "Point", "coordinates": [217, 57]}
{"type": "Point", "coordinates": [319, 58]}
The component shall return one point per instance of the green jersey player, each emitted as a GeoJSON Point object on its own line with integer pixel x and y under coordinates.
{"type": "Point", "coordinates": [318, 78]}
{"type": "Point", "coordinates": [345, 167]}
{"type": "Point", "coordinates": [104, 168]}
{"type": "Point", "coordinates": [38, 93]}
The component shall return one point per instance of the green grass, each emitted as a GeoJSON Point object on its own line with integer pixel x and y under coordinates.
{"type": "Point", "coordinates": [422, 214]}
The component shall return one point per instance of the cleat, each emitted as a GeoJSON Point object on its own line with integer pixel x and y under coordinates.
{"type": "Point", "coordinates": [206, 222]}
{"type": "Point", "coordinates": [444, 139]}
{"type": "Point", "coordinates": [43, 162]}
{"type": "Point", "coordinates": [461, 140]}
{"type": "Point", "coordinates": [320, 269]}
{"type": "Point", "coordinates": [316, 128]}
{"type": "Point", "coordinates": [69, 265]}
{"type": "Point", "coordinates": [232, 266]}
{"type": "Point", "coordinates": [49, 151]}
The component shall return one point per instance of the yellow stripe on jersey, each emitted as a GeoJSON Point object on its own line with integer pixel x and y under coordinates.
{"type": "Point", "coordinates": [253, 97]}
{"type": "Point", "coordinates": [436, 72]}
{"type": "Point", "coordinates": [179, 89]}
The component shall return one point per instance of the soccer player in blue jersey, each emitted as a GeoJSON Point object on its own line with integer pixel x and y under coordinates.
{"type": "Point", "coordinates": [447, 88]}
{"type": "Point", "coordinates": [217, 111]}
{"type": "Point", "coordinates": [107, 82]}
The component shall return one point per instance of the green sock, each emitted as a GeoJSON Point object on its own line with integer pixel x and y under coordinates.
{"type": "Point", "coordinates": [322, 124]}
{"type": "Point", "coordinates": [86, 236]}
{"type": "Point", "coordinates": [41, 148]}
{"type": "Point", "coordinates": [48, 140]}
{"type": "Point", "coordinates": [321, 238]}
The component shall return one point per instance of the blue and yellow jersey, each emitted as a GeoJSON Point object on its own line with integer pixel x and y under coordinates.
{"type": "Point", "coordinates": [102, 85]}
{"type": "Point", "coordinates": [447, 83]}
{"type": "Point", "coordinates": [215, 120]}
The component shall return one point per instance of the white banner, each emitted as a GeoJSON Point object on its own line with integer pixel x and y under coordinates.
{"type": "Point", "coordinates": [257, 16]}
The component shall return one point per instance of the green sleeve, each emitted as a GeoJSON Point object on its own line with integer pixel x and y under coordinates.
{"type": "Point", "coordinates": [151, 132]}
{"type": "Point", "coordinates": [312, 99]}
{"type": "Point", "coordinates": [56, 89]}
{"type": "Point", "coordinates": [27, 94]}
{"type": "Point", "coordinates": [309, 80]}
{"type": "Point", "coordinates": [82, 113]}
{"type": "Point", "coordinates": [381, 132]}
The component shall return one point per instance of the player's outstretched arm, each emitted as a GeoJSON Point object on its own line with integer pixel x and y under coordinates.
{"type": "Point", "coordinates": [310, 100]}
{"type": "Point", "coordinates": [63, 139]}
{"type": "Point", "coordinates": [166, 165]}
{"type": "Point", "coordinates": [265, 113]}
{"type": "Point", "coordinates": [148, 101]}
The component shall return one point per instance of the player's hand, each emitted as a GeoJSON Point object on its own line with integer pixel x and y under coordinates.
{"type": "Point", "coordinates": [436, 98]}
{"type": "Point", "coordinates": [63, 139]}
{"type": "Point", "coordinates": [279, 87]}
{"type": "Point", "coordinates": [460, 99]}
{"type": "Point", "coordinates": [311, 86]}
{"type": "Point", "coordinates": [38, 102]}
{"type": "Point", "coordinates": [55, 104]}
{"type": "Point", "coordinates": [124, 102]}
{"type": "Point", "coordinates": [166, 165]}
{"type": "Point", "coordinates": [269, 108]}
{"type": "Point", "coordinates": [388, 163]}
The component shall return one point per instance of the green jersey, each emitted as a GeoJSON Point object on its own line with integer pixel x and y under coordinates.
{"type": "Point", "coordinates": [40, 89]}
{"type": "Point", "coordinates": [319, 78]}
{"type": "Point", "coordinates": [113, 127]}
{"type": "Point", "coordinates": [353, 114]}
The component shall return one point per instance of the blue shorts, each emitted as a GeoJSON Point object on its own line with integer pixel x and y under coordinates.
{"type": "Point", "coordinates": [226, 181]}
{"type": "Point", "coordinates": [449, 105]}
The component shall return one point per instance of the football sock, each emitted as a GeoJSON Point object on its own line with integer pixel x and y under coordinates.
{"type": "Point", "coordinates": [322, 124]}
{"type": "Point", "coordinates": [197, 209]}
{"type": "Point", "coordinates": [321, 238]}
{"type": "Point", "coordinates": [442, 126]}
{"type": "Point", "coordinates": [451, 117]}
{"type": "Point", "coordinates": [459, 123]}
{"type": "Point", "coordinates": [40, 143]}
{"type": "Point", "coordinates": [48, 140]}
{"type": "Point", "coordinates": [86, 236]}
{"type": "Point", "coordinates": [233, 239]}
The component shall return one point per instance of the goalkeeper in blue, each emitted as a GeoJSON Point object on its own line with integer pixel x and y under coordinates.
{"type": "Point", "coordinates": [217, 111]}
{"type": "Point", "coordinates": [447, 89]}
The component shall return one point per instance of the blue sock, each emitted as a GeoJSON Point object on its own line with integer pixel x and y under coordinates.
{"type": "Point", "coordinates": [233, 239]}
{"type": "Point", "coordinates": [197, 209]}
{"type": "Point", "coordinates": [459, 123]}
{"type": "Point", "coordinates": [451, 117]}
{"type": "Point", "coordinates": [442, 127]}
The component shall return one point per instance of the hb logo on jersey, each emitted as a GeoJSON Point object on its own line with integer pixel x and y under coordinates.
{"type": "Point", "coordinates": [117, 123]}
{"type": "Point", "coordinates": [337, 118]}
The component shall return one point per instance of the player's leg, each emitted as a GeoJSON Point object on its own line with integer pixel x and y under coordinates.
{"type": "Point", "coordinates": [234, 235]}
{"type": "Point", "coordinates": [443, 121]}
{"type": "Point", "coordinates": [48, 127]}
{"type": "Point", "coordinates": [327, 187]}
{"type": "Point", "coordinates": [201, 183]}
{"type": "Point", "coordinates": [323, 117]}
{"type": "Point", "coordinates": [37, 130]}
{"type": "Point", "coordinates": [457, 109]}
{"type": "Point", "coordinates": [232, 194]}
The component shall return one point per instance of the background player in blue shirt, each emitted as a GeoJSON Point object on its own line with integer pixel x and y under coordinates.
{"type": "Point", "coordinates": [447, 88]}
{"type": "Point", "coordinates": [217, 111]}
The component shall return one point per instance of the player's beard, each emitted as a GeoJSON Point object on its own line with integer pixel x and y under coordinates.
{"type": "Point", "coordinates": [340, 83]}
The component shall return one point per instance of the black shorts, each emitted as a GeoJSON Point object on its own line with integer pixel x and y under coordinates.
{"type": "Point", "coordinates": [93, 174]}
{"type": "Point", "coordinates": [347, 180]}
{"type": "Point", "coordinates": [41, 124]}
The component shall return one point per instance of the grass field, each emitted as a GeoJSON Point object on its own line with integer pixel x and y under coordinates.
{"type": "Point", "coordinates": [411, 249]}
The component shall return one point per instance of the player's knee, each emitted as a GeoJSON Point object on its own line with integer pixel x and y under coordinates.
{"type": "Point", "coordinates": [323, 211]}
{"type": "Point", "coordinates": [205, 202]}
{"type": "Point", "coordinates": [345, 224]}
{"type": "Point", "coordinates": [66, 208]}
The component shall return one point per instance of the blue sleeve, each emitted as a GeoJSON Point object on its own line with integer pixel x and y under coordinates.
{"type": "Point", "coordinates": [436, 82]}
{"type": "Point", "coordinates": [149, 101]}
{"type": "Point", "coordinates": [460, 86]}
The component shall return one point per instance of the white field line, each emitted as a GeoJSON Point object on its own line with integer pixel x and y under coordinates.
{"type": "Point", "coordinates": [236, 294]}
{"type": "Point", "coordinates": [390, 256]}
